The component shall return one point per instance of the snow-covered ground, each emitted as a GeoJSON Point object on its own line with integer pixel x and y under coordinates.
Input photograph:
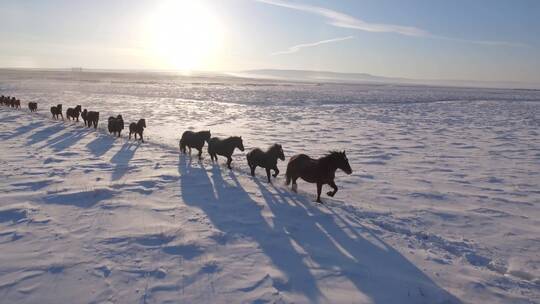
{"type": "Point", "coordinates": [443, 205]}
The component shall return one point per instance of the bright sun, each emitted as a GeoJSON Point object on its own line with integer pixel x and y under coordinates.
{"type": "Point", "coordinates": [184, 35]}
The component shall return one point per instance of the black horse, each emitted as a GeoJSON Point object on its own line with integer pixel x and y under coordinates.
{"type": "Point", "coordinates": [92, 118]}
{"type": "Point", "coordinates": [17, 103]}
{"type": "Point", "coordinates": [320, 171]}
{"type": "Point", "coordinates": [194, 140]}
{"type": "Point", "coordinates": [224, 147]}
{"type": "Point", "coordinates": [32, 106]}
{"type": "Point", "coordinates": [267, 160]}
{"type": "Point", "coordinates": [73, 113]}
{"type": "Point", "coordinates": [137, 128]}
{"type": "Point", "coordinates": [116, 125]}
{"type": "Point", "coordinates": [57, 111]}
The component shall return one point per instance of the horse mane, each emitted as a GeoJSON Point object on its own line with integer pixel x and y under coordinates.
{"type": "Point", "coordinates": [334, 154]}
{"type": "Point", "coordinates": [331, 156]}
{"type": "Point", "coordinates": [205, 133]}
{"type": "Point", "coordinates": [274, 148]}
{"type": "Point", "coordinates": [233, 139]}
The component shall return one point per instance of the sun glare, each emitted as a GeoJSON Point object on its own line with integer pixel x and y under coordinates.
{"type": "Point", "coordinates": [184, 35]}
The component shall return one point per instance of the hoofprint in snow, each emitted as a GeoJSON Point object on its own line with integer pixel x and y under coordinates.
{"type": "Point", "coordinates": [443, 206]}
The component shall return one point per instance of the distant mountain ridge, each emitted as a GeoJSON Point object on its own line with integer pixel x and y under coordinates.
{"type": "Point", "coordinates": [327, 76]}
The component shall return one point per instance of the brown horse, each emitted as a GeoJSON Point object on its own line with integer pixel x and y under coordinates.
{"type": "Point", "coordinates": [320, 171]}
{"type": "Point", "coordinates": [57, 111]}
{"type": "Point", "coordinates": [32, 106]}
{"type": "Point", "coordinates": [116, 125]}
{"type": "Point", "coordinates": [267, 160]}
{"type": "Point", "coordinates": [84, 113]}
{"type": "Point", "coordinates": [92, 118]}
{"type": "Point", "coordinates": [137, 128]}
{"type": "Point", "coordinates": [73, 113]}
{"type": "Point", "coordinates": [224, 147]}
{"type": "Point", "coordinates": [195, 140]}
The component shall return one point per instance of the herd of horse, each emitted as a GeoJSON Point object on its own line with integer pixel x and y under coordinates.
{"type": "Point", "coordinates": [318, 171]}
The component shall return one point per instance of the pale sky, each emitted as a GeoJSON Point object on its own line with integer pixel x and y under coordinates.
{"type": "Point", "coordinates": [493, 40]}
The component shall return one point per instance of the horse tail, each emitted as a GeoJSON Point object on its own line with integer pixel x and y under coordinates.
{"type": "Point", "coordinates": [288, 175]}
{"type": "Point", "coordinates": [182, 145]}
{"type": "Point", "coordinates": [248, 158]}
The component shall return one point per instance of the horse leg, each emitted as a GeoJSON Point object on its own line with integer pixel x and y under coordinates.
{"type": "Point", "coordinates": [268, 175]}
{"type": "Point", "coordinates": [189, 150]}
{"type": "Point", "coordinates": [229, 160]}
{"type": "Point", "coordinates": [140, 135]}
{"type": "Point", "coordinates": [319, 188]}
{"type": "Point", "coordinates": [252, 170]}
{"type": "Point", "coordinates": [276, 171]}
{"type": "Point", "coordinates": [200, 154]}
{"type": "Point", "coordinates": [332, 193]}
{"type": "Point", "coordinates": [294, 186]}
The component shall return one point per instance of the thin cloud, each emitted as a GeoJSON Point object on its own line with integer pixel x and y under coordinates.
{"type": "Point", "coordinates": [296, 48]}
{"type": "Point", "coordinates": [343, 20]}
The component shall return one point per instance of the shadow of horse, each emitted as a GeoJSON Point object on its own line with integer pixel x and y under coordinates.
{"type": "Point", "coordinates": [67, 139]}
{"type": "Point", "coordinates": [100, 145]}
{"type": "Point", "coordinates": [378, 271]}
{"type": "Point", "coordinates": [22, 130]}
{"type": "Point", "coordinates": [44, 134]}
{"type": "Point", "coordinates": [373, 266]}
{"type": "Point", "coordinates": [122, 158]}
{"type": "Point", "coordinates": [231, 203]}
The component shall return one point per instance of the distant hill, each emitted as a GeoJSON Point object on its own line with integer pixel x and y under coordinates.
{"type": "Point", "coordinates": [326, 76]}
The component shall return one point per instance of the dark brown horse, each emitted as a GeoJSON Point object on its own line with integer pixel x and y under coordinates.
{"type": "Point", "coordinates": [92, 118]}
{"type": "Point", "coordinates": [84, 113]}
{"type": "Point", "coordinates": [267, 160]}
{"type": "Point", "coordinates": [32, 106]}
{"type": "Point", "coordinates": [17, 103]}
{"type": "Point", "coordinates": [320, 171]}
{"type": "Point", "coordinates": [137, 128]}
{"type": "Point", "coordinates": [116, 125]}
{"type": "Point", "coordinates": [195, 140]}
{"type": "Point", "coordinates": [73, 113]}
{"type": "Point", "coordinates": [224, 147]}
{"type": "Point", "coordinates": [57, 111]}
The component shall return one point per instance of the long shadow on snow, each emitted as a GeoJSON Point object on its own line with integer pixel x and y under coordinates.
{"type": "Point", "coordinates": [233, 212]}
{"type": "Point", "coordinates": [81, 199]}
{"type": "Point", "coordinates": [374, 267]}
{"type": "Point", "coordinates": [21, 130]}
{"type": "Point", "coordinates": [67, 139]}
{"type": "Point", "coordinates": [45, 133]}
{"type": "Point", "coordinates": [121, 159]}
{"type": "Point", "coordinates": [100, 145]}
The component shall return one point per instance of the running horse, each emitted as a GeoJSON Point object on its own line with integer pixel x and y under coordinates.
{"type": "Point", "coordinates": [319, 171]}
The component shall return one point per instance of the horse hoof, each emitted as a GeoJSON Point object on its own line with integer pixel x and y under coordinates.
{"type": "Point", "coordinates": [330, 193]}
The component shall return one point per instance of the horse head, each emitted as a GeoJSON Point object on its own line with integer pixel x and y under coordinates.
{"type": "Point", "coordinates": [206, 135]}
{"type": "Point", "coordinates": [343, 162]}
{"type": "Point", "coordinates": [277, 151]}
{"type": "Point", "coordinates": [240, 144]}
{"type": "Point", "coordinates": [281, 155]}
{"type": "Point", "coordinates": [142, 123]}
